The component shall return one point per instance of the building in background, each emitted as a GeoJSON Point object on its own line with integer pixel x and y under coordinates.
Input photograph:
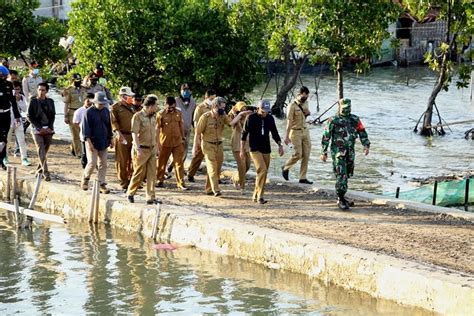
{"type": "Point", "coordinates": [54, 8]}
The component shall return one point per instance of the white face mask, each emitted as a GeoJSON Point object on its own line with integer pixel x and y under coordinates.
{"type": "Point", "coordinates": [208, 102]}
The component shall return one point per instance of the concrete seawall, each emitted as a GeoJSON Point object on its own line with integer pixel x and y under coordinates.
{"type": "Point", "coordinates": [406, 282]}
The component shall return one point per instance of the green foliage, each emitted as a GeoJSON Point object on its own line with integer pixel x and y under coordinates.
{"type": "Point", "coordinates": [18, 26]}
{"type": "Point", "coordinates": [157, 45]}
{"type": "Point", "coordinates": [22, 32]}
{"type": "Point", "coordinates": [46, 47]}
{"type": "Point", "coordinates": [459, 15]}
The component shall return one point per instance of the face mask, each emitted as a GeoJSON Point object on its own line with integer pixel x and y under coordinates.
{"type": "Point", "coordinates": [186, 94]}
{"type": "Point", "coordinates": [77, 84]}
{"type": "Point", "coordinates": [129, 100]}
{"type": "Point", "coordinates": [303, 99]}
{"type": "Point", "coordinates": [208, 102]}
{"type": "Point", "coordinates": [171, 108]}
{"type": "Point", "coordinates": [221, 111]}
{"type": "Point", "coordinates": [36, 71]}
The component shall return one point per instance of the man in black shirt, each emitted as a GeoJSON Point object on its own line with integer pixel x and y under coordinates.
{"type": "Point", "coordinates": [258, 127]}
{"type": "Point", "coordinates": [7, 103]}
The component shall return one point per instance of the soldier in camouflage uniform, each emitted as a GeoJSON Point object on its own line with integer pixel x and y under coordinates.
{"type": "Point", "coordinates": [342, 130]}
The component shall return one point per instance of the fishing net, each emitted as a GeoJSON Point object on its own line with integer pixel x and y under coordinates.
{"type": "Point", "coordinates": [449, 193]}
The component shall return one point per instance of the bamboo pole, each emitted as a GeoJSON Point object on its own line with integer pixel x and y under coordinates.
{"type": "Point", "coordinates": [92, 207]}
{"type": "Point", "coordinates": [452, 123]}
{"type": "Point", "coordinates": [33, 213]}
{"type": "Point", "coordinates": [96, 204]}
{"type": "Point", "coordinates": [17, 211]}
{"type": "Point", "coordinates": [156, 220]}
{"type": "Point", "coordinates": [35, 192]}
{"type": "Point", "coordinates": [14, 188]}
{"type": "Point", "coordinates": [8, 189]}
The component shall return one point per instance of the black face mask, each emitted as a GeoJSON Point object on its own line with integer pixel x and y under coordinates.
{"type": "Point", "coordinates": [221, 111]}
{"type": "Point", "coordinates": [77, 84]}
{"type": "Point", "coordinates": [303, 99]}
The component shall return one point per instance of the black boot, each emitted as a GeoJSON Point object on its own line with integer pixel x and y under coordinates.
{"type": "Point", "coordinates": [342, 203]}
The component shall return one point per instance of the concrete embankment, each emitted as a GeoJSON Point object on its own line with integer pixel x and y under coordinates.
{"type": "Point", "coordinates": [406, 282]}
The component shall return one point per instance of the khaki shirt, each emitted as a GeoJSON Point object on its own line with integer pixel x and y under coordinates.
{"type": "Point", "coordinates": [200, 110]}
{"type": "Point", "coordinates": [237, 134]}
{"type": "Point", "coordinates": [145, 127]}
{"type": "Point", "coordinates": [296, 116]}
{"type": "Point", "coordinates": [121, 117]}
{"type": "Point", "coordinates": [211, 128]}
{"type": "Point", "coordinates": [73, 97]}
{"type": "Point", "coordinates": [171, 125]}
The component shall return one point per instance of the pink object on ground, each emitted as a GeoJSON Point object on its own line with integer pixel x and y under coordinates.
{"type": "Point", "coordinates": [164, 247]}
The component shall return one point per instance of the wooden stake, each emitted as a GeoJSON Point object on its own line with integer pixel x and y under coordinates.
{"type": "Point", "coordinates": [17, 211]}
{"type": "Point", "coordinates": [14, 188]}
{"type": "Point", "coordinates": [96, 204]}
{"type": "Point", "coordinates": [8, 188]}
{"type": "Point", "coordinates": [156, 220]}
{"type": "Point", "coordinates": [92, 208]}
{"type": "Point", "coordinates": [35, 192]}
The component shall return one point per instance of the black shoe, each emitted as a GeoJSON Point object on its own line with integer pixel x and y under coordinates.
{"type": "Point", "coordinates": [191, 179]}
{"type": "Point", "coordinates": [167, 176]}
{"type": "Point", "coordinates": [152, 201]}
{"type": "Point", "coordinates": [262, 201]}
{"type": "Point", "coordinates": [47, 178]}
{"type": "Point", "coordinates": [218, 193]}
{"type": "Point", "coordinates": [306, 181]}
{"type": "Point", "coordinates": [284, 173]}
{"type": "Point", "coordinates": [209, 193]}
{"type": "Point", "coordinates": [350, 203]}
{"type": "Point", "coordinates": [160, 184]}
{"type": "Point", "coordinates": [342, 203]}
{"type": "Point", "coordinates": [220, 181]}
{"type": "Point", "coordinates": [73, 152]}
{"type": "Point", "coordinates": [131, 199]}
{"type": "Point", "coordinates": [169, 169]}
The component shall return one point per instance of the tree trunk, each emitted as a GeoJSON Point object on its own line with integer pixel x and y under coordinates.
{"type": "Point", "coordinates": [291, 76]}
{"type": "Point", "coordinates": [426, 129]}
{"type": "Point", "coordinates": [340, 86]}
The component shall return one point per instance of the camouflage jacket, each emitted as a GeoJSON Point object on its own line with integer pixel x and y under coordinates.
{"type": "Point", "coordinates": [343, 132]}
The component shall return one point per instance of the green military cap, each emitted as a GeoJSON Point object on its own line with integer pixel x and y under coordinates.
{"type": "Point", "coordinates": [345, 103]}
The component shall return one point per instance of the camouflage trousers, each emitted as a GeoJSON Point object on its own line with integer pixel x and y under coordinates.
{"type": "Point", "coordinates": [343, 166]}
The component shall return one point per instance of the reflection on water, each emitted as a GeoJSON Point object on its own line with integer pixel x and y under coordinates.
{"type": "Point", "coordinates": [79, 269]}
{"type": "Point", "coordinates": [389, 109]}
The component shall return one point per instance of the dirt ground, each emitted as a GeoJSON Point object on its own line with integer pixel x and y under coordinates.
{"type": "Point", "coordinates": [437, 239]}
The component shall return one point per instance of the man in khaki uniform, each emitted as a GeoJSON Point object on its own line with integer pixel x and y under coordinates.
{"type": "Point", "coordinates": [170, 131]}
{"type": "Point", "coordinates": [209, 137]}
{"type": "Point", "coordinates": [121, 115]}
{"type": "Point", "coordinates": [144, 150]}
{"type": "Point", "coordinates": [198, 156]}
{"type": "Point", "coordinates": [297, 133]}
{"type": "Point", "coordinates": [74, 97]}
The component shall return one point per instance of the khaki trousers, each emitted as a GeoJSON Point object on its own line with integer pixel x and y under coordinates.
{"type": "Point", "coordinates": [261, 162]}
{"type": "Point", "coordinates": [242, 168]}
{"type": "Point", "coordinates": [214, 155]}
{"type": "Point", "coordinates": [178, 153]}
{"type": "Point", "coordinates": [75, 131]}
{"type": "Point", "coordinates": [93, 157]}
{"type": "Point", "coordinates": [144, 168]}
{"type": "Point", "coordinates": [123, 160]}
{"type": "Point", "coordinates": [302, 149]}
{"type": "Point", "coordinates": [195, 162]}
{"type": "Point", "coordinates": [42, 147]}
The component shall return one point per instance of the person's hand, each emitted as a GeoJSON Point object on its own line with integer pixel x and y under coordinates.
{"type": "Point", "coordinates": [245, 113]}
{"type": "Point", "coordinates": [366, 151]}
{"type": "Point", "coordinates": [17, 122]}
{"type": "Point", "coordinates": [66, 120]}
{"type": "Point", "coordinates": [111, 144]}
{"type": "Point", "coordinates": [287, 141]}
{"type": "Point", "coordinates": [281, 152]}
{"type": "Point", "coordinates": [139, 153]}
{"type": "Point", "coordinates": [120, 137]}
{"type": "Point", "coordinates": [324, 157]}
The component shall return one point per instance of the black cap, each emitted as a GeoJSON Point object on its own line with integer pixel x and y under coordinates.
{"type": "Point", "coordinates": [90, 95]}
{"type": "Point", "coordinates": [99, 66]}
{"type": "Point", "coordinates": [76, 77]}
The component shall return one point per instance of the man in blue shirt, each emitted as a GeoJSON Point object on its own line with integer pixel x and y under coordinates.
{"type": "Point", "coordinates": [97, 134]}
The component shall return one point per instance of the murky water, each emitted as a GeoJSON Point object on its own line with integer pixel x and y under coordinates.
{"type": "Point", "coordinates": [389, 109]}
{"type": "Point", "coordinates": [78, 269]}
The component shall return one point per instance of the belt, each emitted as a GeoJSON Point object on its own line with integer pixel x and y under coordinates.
{"type": "Point", "coordinates": [147, 147]}
{"type": "Point", "coordinates": [5, 111]}
{"type": "Point", "coordinates": [298, 129]}
{"type": "Point", "coordinates": [126, 133]}
{"type": "Point", "coordinates": [214, 143]}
